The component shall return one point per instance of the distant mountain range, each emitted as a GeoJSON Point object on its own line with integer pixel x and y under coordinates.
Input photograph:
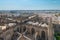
{"type": "Point", "coordinates": [29, 11]}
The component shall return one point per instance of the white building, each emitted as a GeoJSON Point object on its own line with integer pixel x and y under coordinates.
{"type": "Point", "coordinates": [3, 27]}
{"type": "Point", "coordinates": [44, 25]}
{"type": "Point", "coordinates": [11, 24]}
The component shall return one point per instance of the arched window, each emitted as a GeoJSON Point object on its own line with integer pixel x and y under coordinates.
{"type": "Point", "coordinates": [20, 29]}
{"type": "Point", "coordinates": [43, 35]}
{"type": "Point", "coordinates": [32, 31]}
{"type": "Point", "coordinates": [38, 37]}
{"type": "Point", "coordinates": [24, 29]}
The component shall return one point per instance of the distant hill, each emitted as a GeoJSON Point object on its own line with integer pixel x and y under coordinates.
{"type": "Point", "coordinates": [29, 11]}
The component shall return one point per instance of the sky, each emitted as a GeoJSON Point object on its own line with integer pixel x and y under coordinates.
{"type": "Point", "coordinates": [29, 4]}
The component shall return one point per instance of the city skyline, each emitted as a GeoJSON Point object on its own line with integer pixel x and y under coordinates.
{"type": "Point", "coordinates": [30, 5]}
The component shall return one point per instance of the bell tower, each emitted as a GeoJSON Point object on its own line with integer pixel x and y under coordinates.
{"type": "Point", "coordinates": [50, 29]}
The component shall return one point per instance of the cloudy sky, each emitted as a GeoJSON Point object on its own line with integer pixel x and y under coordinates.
{"type": "Point", "coordinates": [29, 4]}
